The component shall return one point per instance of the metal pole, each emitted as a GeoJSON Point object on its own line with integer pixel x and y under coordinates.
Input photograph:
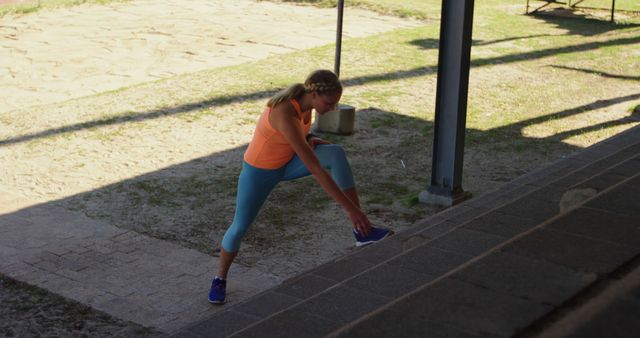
{"type": "Point", "coordinates": [336, 67]}
{"type": "Point", "coordinates": [451, 104]}
{"type": "Point", "coordinates": [613, 9]}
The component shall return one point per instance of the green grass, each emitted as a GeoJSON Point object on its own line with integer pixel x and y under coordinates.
{"type": "Point", "coordinates": [429, 9]}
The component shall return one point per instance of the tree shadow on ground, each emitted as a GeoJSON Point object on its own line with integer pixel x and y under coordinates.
{"type": "Point", "coordinates": [192, 203]}
{"type": "Point", "coordinates": [630, 77]}
{"type": "Point", "coordinates": [580, 23]}
{"type": "Point", "coordinates": [354, 81]}
{"type": "Point", "coordinates": [429, 43]}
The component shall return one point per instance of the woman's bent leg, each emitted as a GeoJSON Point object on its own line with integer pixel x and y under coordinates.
{"type": "Point", "coordinates": [333, 158]}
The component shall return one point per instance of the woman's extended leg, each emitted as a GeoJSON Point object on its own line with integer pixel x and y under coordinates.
{"type": "Point", "coordinates": [254, 186]}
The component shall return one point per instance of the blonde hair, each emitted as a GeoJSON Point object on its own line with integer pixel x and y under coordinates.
{"type": "Point", "coordinates": [321, 81]}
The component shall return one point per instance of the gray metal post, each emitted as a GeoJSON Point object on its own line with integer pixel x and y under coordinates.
{"type": "Point", "coordinates": [336, 67]}
{"type": "Point", "coordinates": [451, 104]}
{"type": "Point", "coordinates": [342, 119]}
{"type": "Point", "coordinates": [613, 10]}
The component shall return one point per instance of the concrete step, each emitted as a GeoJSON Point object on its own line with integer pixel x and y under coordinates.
{"type": "Point", "coordinates": [491, 266]}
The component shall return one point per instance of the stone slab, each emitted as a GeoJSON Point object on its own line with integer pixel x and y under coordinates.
{"type": "Point", "coordinates": [500, 224]}
{"type": "Point", "coordinates": [221, 325]}
{"type": "Point", "coordinates": [342, 304]}
{"type": "Point", "coordinates": [266, 304]}
{"type": "Point", "coordinates": [533, 209]}
{"type": "Point", "coordinates": [395, 324]}
{"type": "Point", "coordinates": [468, 308]}
{"type": "Point", "coordinates": [389, 280]}
{"type": "Point", "coordinates": [518, 276]}
{"type": "Point", "coordinates": [600, 225]}
{"type": "Point", "coordinates": [622, 200]}
{"type": "Point", "coordinates": [291, 323]}
{"type": "Point", "coordinates": [342, 269]}
{"type": "Point", "coordinates": [304, 286]}
{"type": "Point", "coordinates": [576, 252]}
{"type": "Point", "coordinates": [467, 242]}
{"type": "Point", "coordinates": [430, 260]}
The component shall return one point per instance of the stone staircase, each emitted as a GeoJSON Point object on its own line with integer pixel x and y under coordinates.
{"type": "Point", "coordinates": [508, 263]}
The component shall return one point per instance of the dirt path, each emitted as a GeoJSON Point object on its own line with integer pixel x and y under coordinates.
{"type": "Point", "coordinates": [61, 54]}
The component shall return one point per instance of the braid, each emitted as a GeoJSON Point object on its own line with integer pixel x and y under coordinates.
{"type": "Point", "coordinates": [323, 82]}
{"type": "Point", "coordinates": [320, 81]}
{"type": "Point", "coordinates": [320, 87]}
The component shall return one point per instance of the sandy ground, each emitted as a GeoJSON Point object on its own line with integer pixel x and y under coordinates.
{"type": "Point", "coordinates": [159, 175]}
{"type": "Point", "coordinates": [70, 53]}
{"type": "Point", "coordinates": [56, 55]}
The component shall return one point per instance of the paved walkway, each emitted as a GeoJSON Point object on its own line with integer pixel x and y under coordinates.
{"type": "Point", "coordinates": [510, 263]}
{"type": "Point", "coordinates": [84, 50]}
{"type": "Point", "coordinates": [127, 275]}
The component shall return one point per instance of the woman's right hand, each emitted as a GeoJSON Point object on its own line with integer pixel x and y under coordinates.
{"type": "Point", "coordinates": [360, 221]}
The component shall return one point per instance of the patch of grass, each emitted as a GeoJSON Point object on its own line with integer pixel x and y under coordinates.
{"type": "Point", "coordinates": [387, 193]}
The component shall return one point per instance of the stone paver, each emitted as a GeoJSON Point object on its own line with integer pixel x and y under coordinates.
{"type": "Point", "coordinates": [125, 274]}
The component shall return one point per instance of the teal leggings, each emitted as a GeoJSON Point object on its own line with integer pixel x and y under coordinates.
{"type": "Point", "coordinates": [255, 184]}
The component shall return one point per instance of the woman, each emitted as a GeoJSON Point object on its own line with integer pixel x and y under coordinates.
{"type": "Point", "coordinates": [282, 149]}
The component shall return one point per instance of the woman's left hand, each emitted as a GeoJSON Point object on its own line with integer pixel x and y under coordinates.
{"type": "Point", "coordinates": [314, 141]}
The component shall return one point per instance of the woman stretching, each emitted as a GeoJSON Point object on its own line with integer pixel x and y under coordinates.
{"type": "Point", "coordinates": [282, 149]}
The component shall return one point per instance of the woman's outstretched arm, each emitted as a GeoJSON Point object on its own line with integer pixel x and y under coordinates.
{"type": "Point", "coordinates": [285, 120]}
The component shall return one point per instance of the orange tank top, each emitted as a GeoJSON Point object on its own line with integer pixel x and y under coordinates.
{"type": "Point", "coordinates": [268, 148]}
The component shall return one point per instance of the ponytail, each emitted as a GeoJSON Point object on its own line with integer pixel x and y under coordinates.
{"type": "Point", "coordinates": [293, 92]}
{"type": "Point", "coordinates": [321, 81]}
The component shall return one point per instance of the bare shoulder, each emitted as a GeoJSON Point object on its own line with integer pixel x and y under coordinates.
{"type": "Point", "coordinates": [281, 112]}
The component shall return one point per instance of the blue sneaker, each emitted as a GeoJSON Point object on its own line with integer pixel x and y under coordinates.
{"type": "Point", "coordinates": [218, 291]}
{"type": "Point", "coordinates": [375, 234]}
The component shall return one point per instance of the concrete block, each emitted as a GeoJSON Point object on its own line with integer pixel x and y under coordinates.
{"type": "Point", "coordinates": [500, 224]}
{"type": "Point", "coordinates": [533, 209]}
{"type": "Point", "coordinates": [409, 240]}
{"type": "Point", "coordinates": [304, 286]}
{"type": "Point", "coordinates": [549, 193]}
{"type": "Point", "coordinates": [577, 252]}
{"type": "Point", "coordinates": [395, 324]}
{"type": "Point", "coordinates": [342, 269]}
{"type": "Point", "coordinates": [467, 242]}
{"type": "Point", "coordinates": [626, 169]}
{"type": "Point", "coordinates": [622, 200]}
{"type": "Point", "coordinates": [619, 319]}
{"type": "Point", "coordinates": [601, 182]}
{"type": "Point", "coordinates": [339, 121]}
{"type": "Point", "coordinates": [468, 308]}
{"type": "Point", "coordinates": [429, 260]}
{"type": "Point", "coordinates": [438, 230]}
{"type": "Point", "coordinates": [389, 281]}
{"type": "Point", "coordinates": [341, 304]}
{"type": "Point", "coordinates": [376, 254]}
{"type": "Point", "coordinates": [634, 183]}
{"type": "Point", "coordinates": [290, 323]}
{"type": "Point", "coordinates": [526, 278]}
{"type": "Point", "coordinates": [600, 225]}
{"type": "Point", "coordinates": [266, 304]}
